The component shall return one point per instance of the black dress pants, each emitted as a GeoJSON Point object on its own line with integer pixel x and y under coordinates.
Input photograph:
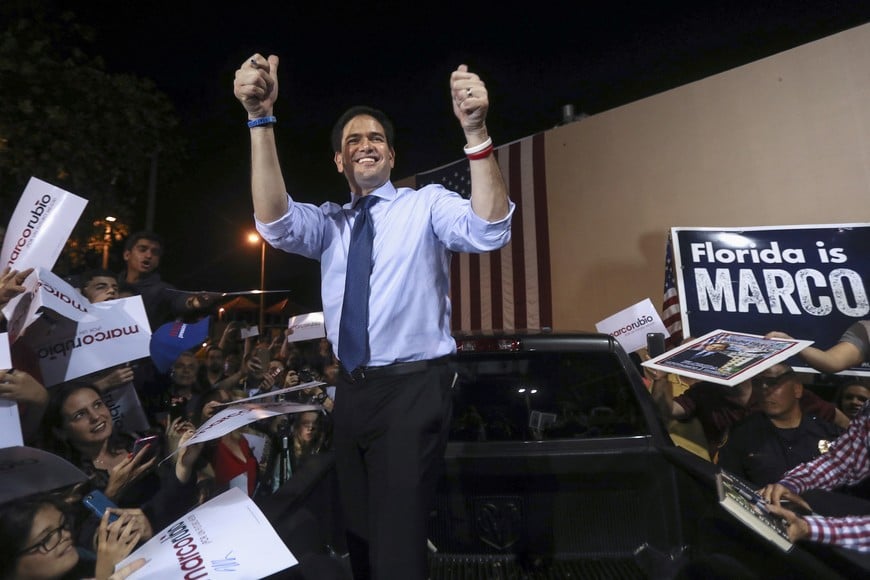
{"type": "Point", "coordinates": [390, 433]}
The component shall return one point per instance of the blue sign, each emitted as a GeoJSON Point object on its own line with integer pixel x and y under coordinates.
{"type": "Point", "coordinates": [806, 281]}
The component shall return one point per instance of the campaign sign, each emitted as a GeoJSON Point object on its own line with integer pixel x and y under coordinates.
{"type": "Point", "coordinates": [630, 326]}
{"type": "Point", "coordinates": [46, 290]}
{"type": "Point", "coordinates": [808, 281]}
{"type": "Point", "coordinates": [226, 537]}
{"type": "Point", "coordinates": [123, 403]}
{"type": "Point", "coordinates": [237, 416]}
{"type": "Point", "coordinates": [306, 327]}
{"type": "Point", "coordinates": [43, 220]}
{"type": "Point", "coordinates": [726, 357]}
{"type": "Point", "coordinates": [5, 354]}
{"type": "Point", "coordinates": [11, 434]}
{"type": "Point", "coordinates": [112, 333]}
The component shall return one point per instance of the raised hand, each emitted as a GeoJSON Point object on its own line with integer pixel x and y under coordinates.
{"type": "Point", "coordinates": [470, 100]}
{"type": "Point", "coordinates": [11, 283]}
{"type": "Point", "coordinates": [256, 85]}
{"type": "Point", "coordinates": [19, 386]}
{"type": "Point", "coordinates": [129, 470]}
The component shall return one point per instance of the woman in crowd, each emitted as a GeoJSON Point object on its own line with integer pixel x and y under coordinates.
{"type": "Point", "coordinates": [310, 436]}
{"type": "Point", "coordinates": [36, 542]}
{"type": "Point", "coordinates": [232, 460]}
{"type": "Point", "coordinates": [83, 432]}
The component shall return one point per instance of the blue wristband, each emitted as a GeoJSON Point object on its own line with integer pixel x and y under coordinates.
{"type": "Point", "coordinates": [262, 121]}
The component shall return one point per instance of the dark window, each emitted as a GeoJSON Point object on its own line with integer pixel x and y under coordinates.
{"type": "Point", "coordinates": [536, 396]}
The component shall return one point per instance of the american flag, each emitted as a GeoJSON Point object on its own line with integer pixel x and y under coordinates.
{"type": "Point", "coordinates": [508, 289]}
{"type": "Point", "coordinates": [671, 304]}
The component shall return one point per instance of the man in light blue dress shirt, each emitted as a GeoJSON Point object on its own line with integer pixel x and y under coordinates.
{"type": "Point", "coordinates": [392, 412]}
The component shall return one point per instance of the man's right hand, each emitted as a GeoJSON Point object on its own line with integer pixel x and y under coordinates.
{"type": "Point", "coordinates": [256, 85]}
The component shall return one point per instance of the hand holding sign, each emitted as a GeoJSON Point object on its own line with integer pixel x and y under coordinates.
{"type": "Point", "coordinates": [11, 283]}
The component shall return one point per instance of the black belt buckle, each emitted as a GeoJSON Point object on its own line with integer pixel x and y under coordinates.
{"type": "Point", "coordinates": [358, 374]}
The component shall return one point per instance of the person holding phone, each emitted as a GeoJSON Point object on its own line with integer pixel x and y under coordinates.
{"type": "Point", "coordinates": [83, 432]}
{"type": "Point", "coordinates": [37, 541]}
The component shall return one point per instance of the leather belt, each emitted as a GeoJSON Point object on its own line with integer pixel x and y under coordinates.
{"type": "Point", "coordinates": [393, 370]}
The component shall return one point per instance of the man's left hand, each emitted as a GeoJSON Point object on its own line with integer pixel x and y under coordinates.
{"type": "Point", "coordinates": [470, 101]}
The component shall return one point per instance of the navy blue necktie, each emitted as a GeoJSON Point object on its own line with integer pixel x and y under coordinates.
{"type": "Point", "coordinates": [353, 332]}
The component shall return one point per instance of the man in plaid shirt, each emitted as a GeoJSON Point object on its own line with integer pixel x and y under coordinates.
{"type": "Point", "coordinates": [847, 462]}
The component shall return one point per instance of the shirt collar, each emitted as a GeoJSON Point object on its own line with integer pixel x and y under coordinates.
{"type": "Point", "coordinates": [387, 191]}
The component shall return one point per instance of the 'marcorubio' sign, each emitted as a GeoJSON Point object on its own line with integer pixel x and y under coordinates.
{"type": "Point", "coordinates": [808, 281]}
{"type": "Point", "coordinates": [226, 537]}
{"type": "Point", "coordinates": [39, 228]}
{"type": "Point", "coordinates": [72, 337]}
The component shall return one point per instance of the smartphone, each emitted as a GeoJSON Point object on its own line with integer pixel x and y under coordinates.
{"type": "Point", "coordinates": [142, 442]}
{"type": "Point", "coordinates": [655, 343]}
{"type": "Point", "coordinates": [176, 410]}
{"type": "Point", "coordinates": [264, 355]}
{"type": "Point", "coordinates": [97, 502]}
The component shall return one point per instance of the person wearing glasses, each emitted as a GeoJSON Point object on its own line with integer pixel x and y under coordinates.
{"type": "Point", "coordinates": [763, 446]}
{"type": "Point", "coordinates": [36, 542]}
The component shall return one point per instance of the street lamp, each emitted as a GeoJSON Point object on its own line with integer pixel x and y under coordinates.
{"type": "Point", "coordinates": [253, 238]}
{"type": "Point", "coordinates": [107, 240]}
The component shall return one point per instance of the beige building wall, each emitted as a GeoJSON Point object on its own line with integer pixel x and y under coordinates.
{"type": "Point", "coordinates": [785, 140]}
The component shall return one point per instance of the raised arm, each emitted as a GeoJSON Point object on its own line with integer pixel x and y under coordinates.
{"type": "Point", "coordinates": [839, 357]}
{"type": "Point", "coordinates": [489, 195]}
{"type": "Point", "coordinates": [663, 394]}
{"type": "Point", "coordinates": [256, 87]}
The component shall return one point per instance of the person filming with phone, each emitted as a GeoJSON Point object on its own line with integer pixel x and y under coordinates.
{"type": "Point", "coordinates": [82, 431]}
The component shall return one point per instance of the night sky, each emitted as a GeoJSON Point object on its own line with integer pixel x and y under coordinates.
{"type": "Point", "coordinates": [534, 57]}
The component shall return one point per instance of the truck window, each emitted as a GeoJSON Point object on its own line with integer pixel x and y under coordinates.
{"type": "Point", "coordinates": [540, 396]}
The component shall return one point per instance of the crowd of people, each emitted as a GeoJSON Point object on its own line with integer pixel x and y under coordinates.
{"type": "Point", "coordinates": [385, 281]}
{"type": "Point", "coordinates": [776, 433]}
{"type": "Point", "coordinates": [146, 471]}
{"type": "Point", "coordinates": [385, 287]}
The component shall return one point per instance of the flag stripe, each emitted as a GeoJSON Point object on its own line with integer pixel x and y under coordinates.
{"type": "Point", "coordinates": [474, 290]}
{"type": "Point", "coordinates": [671, 301]}
{"type": "Point", "coordinates": [509, 288]}
{"type": "Point", "coordinates": [515, 176]}
{"type": "Point", "coordinates": [456, 298]}
{"type": "Point", "coordinates": [542, 231]}
{"type": "Point", "coordinates": [497, 295]}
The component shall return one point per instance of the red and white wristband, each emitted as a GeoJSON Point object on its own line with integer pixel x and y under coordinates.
{"type": "Point", "coordinates": [481, 151]}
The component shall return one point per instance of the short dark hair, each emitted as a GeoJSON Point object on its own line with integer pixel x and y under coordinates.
{"type": "Point", "coordinates": [143, 235]}
{"type": "Point", "coordinates": [89, 275]}
{"type": "Point", "coordinates": [356, 111]}
{"type": "Point", "coordinates": [16, 524]}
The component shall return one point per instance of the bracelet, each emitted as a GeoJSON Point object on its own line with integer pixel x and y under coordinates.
{"type": "Point", "coordinates": [486, 146]}
{"type": "Point", "coordinates": [270, 120]}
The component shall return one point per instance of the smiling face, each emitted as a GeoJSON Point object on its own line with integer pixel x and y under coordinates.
{"type": "Point", "coordinates": [48, 531]}
{"type": "Point", "coordinates": [854, 397]}
{"type": "Point", "coordinates": [365, 159]}
{"type": "Point", "coordinates": [86, 418]}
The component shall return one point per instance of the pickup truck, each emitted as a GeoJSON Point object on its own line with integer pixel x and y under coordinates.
{"type": "Point", "coordinates": [559, 467]}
